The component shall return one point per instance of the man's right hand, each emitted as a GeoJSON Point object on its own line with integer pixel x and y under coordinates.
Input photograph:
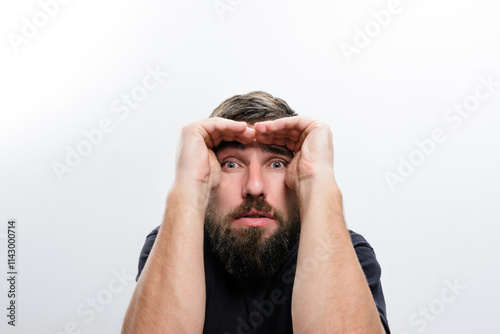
{"type": "Point", "coordinates": [170, 296]}
{"type": "Point", "coordinates": [197, 164]}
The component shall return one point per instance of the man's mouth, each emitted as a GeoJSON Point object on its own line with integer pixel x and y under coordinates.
{"type": "Point", "coordinates": [255, 218]}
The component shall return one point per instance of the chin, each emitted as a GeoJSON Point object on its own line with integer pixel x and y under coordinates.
{"type": "Point", "coordinates": [267, 232]}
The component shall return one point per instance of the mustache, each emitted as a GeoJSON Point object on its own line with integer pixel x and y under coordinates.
{"type": "Point", "coordinates": [258, 204]}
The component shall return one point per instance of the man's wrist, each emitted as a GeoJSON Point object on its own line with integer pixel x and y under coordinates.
{"type": "Point", "coordinates": [319, 191]}
{"type": "Point", "coordinates": [321, 182]}
{"type": "Point", "coordinates": [189, 195]}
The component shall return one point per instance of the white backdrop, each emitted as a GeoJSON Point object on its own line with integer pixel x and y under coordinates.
{"type": "Point", "coordinates": [94, 93]}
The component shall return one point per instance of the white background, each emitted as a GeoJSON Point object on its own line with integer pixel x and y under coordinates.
{"type": "Point", "coordinates": [76, 233]}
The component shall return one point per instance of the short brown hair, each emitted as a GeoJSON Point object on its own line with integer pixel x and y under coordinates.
{"type": "Point", "coordinates": [253, 107]}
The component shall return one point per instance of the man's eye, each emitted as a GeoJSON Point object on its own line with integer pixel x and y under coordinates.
{"type": "Point", "coordinates": [278, 164]}
{"type": "Point", "coordinates": [229, 164]}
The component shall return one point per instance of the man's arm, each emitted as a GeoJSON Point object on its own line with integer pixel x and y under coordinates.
{"type": "Point", "coordinates": [332, 296]}
{"type": "Point", "coordinates": [170, 293]}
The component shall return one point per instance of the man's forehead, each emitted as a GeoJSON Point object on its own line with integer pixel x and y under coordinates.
{"type": "Point", "coordinates": [281, 150]}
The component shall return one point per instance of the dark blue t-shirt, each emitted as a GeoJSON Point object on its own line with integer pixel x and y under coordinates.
{"type": "Point", "coordinates": [248, 306]}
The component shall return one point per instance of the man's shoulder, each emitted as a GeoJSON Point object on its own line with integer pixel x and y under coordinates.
{"type": "Point", "coordinates": [358, 240]}
{"type": "Point", "coordinates": [146, 249]}
{"type": "Point", "coordinates": [154, 232]}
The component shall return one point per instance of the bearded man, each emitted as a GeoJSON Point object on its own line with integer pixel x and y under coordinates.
{"type": "Point", "coordinates": [253, 238]}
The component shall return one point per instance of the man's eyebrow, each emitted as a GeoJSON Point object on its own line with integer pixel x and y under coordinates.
{"type": "Point", "coordinates": [274, 149]}
{"type": "Point", "coordinates": [231, 144]}
{"type": "Point", "coordinates": [281, 150]}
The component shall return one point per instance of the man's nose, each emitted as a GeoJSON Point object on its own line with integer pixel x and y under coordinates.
{"type": "Point", "coordinates": [254, 184]}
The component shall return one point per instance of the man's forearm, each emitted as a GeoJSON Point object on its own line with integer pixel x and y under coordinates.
{"type": "Point", "coordinates": [330, 294]}
{"type": "Point", "coordinates": [170, 293]}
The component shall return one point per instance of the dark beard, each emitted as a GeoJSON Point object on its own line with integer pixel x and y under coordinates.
{"type": "Point", "coordinates": [243, 253]}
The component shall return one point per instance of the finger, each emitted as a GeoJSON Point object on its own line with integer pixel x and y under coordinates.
{"type": "Point", "coordinates": [289, 132]}
{"type": "Point", "coordinates": [215, 130]}
{"type": "Point", "coordinates": [286, 124]}
{"type": "Point", "coordinates": [271, 139]}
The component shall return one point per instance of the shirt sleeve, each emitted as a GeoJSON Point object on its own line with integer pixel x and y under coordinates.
{"type": "Point", "coordinates": [372, 270]}
{"type": "Point", "coordinates": [146, 249]}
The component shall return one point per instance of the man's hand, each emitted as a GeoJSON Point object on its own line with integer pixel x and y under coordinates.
{"type": "Point", "coordinates": [196, 162]}
{"type": "Point", "coordinates": [170, 296]}
{"type": "Point", "coordinates": [310, 140]}
{"type": "Point", "coordinates": [332, 297]}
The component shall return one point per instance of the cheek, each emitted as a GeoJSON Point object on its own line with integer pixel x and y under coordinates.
{"type": "Point", "coordinates": [228, 192]}
{"type": "Point", "coordinates": [283, 197]}
{"type": "Point", "coordinates": [226, 180]}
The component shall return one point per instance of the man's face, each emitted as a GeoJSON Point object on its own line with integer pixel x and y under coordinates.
{"type": "Point", "coordinates": [252, 216]}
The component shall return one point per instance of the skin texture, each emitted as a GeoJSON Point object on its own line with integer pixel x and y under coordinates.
{"type": "Point", "coordinates": [332, 297]}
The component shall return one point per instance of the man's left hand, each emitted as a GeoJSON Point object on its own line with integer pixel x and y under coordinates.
{"type": "Point", "coordinates": [310, 140]}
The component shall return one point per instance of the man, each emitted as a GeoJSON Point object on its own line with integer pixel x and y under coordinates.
{"type": "Point", "coordinates": [254, 239]}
